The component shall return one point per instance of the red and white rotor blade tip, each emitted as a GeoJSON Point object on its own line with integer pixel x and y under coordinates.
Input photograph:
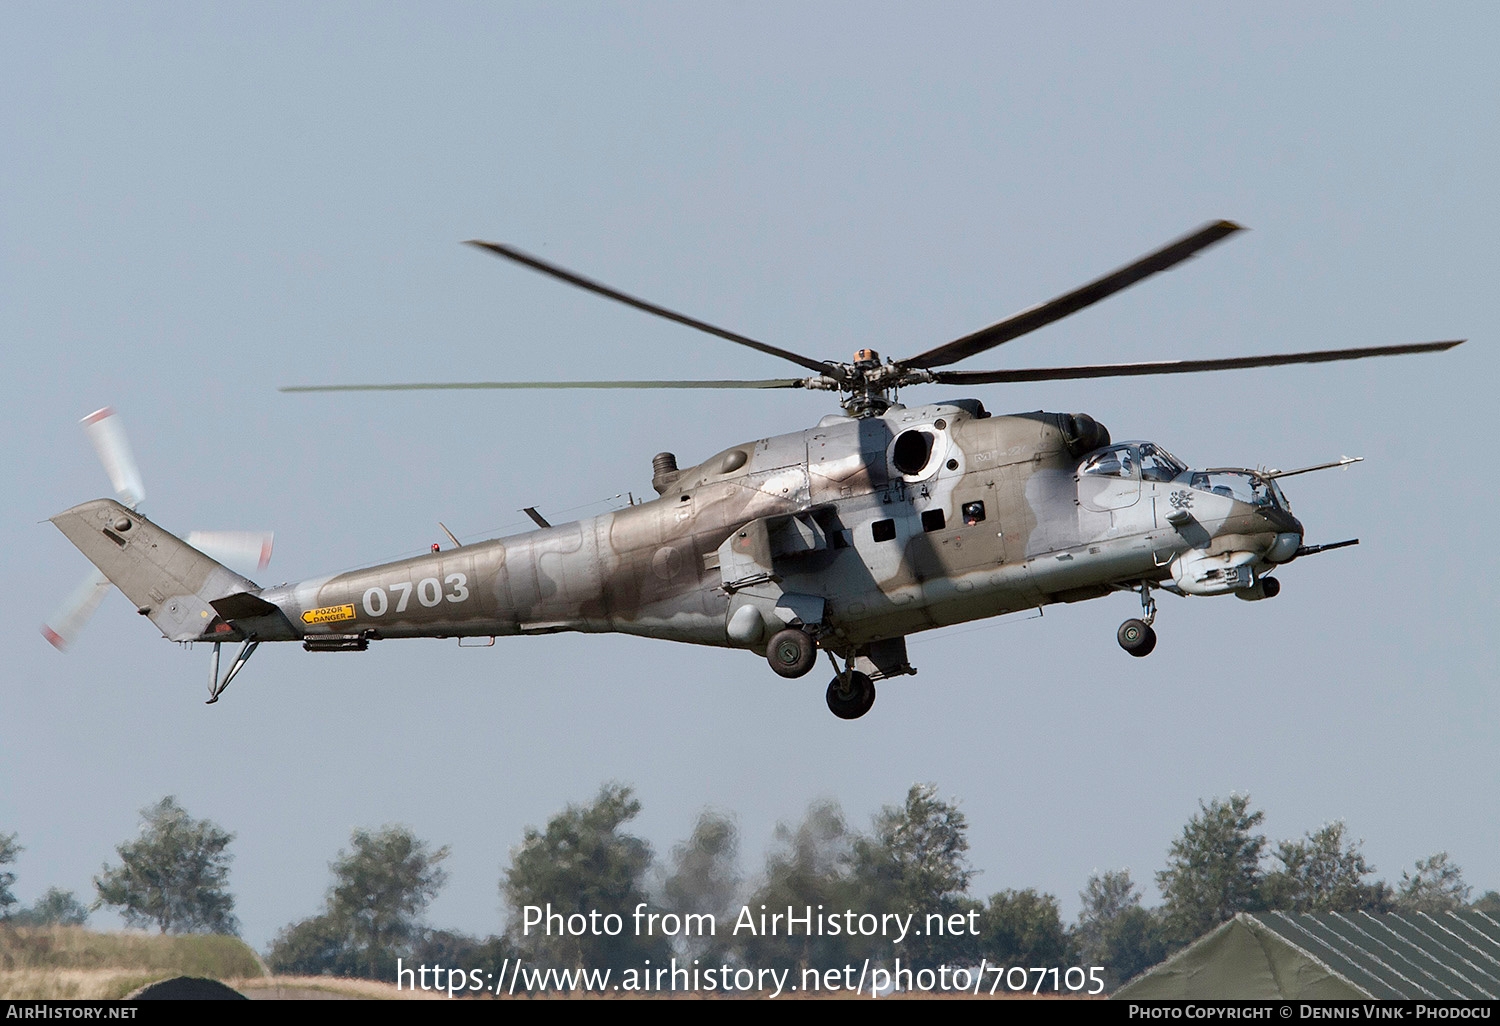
{"type": "Point", "coordinates": [63, 627]}
{"type": "Point", "coordinates": [107, 434]}
{"type": "Point", "coordinates": [238, 550]}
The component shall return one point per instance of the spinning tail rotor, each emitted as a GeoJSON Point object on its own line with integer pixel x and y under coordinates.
{"type": "Point", "coordinates": [240, 550]}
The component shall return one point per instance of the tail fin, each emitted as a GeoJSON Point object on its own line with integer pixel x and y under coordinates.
{"type": "Point", "coordinates": [168, 580]}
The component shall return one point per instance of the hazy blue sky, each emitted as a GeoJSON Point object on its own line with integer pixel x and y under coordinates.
{"type": "Point", "coordinates": [199, 203]}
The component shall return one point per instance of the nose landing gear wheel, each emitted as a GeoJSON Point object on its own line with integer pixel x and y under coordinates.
{"type": "Point", "coordinates": [851, 695]}
{"type": "Point", "coordinates": [791, 652]}
{"type": "Point", "coordinates": [1136, 637]}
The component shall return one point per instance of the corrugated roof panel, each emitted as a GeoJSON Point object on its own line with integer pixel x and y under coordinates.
{"type": "Point", "coordinates": [1480, 931]}
{"type": "Point", "coordinates": [1400, 955]}
{"type": "Point", "coordinates": [1458, 957]}
{"type": "Point", "coordinates": [1350, 957]}
{"type": "Point", "coordinates": [1440, 962]}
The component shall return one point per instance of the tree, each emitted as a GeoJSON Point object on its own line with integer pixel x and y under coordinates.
{"type": "Point", "coordinates": [9, 849]}
{"type": "Point", "coordinates": [704, 880]}
{"type": "Point", "coordinates": [1323, 873]}
{"type": "Point", "coordinates": [1488, 903]}
{"type": "Point", "coordinates": [55, 908]}
{"type": "Point", "coordinates": [317, 946]}
{"type": "Point", "coordinates": [1114, 931]}
{"type": "Point", "coordinates": [453, 950]}
{"type": "Point", "coordinates": [381, 888]}
{"type": "Point", "coordinates": [174, 875]}
{"type": "Point", "coordinates": [1023, 928]}
{"type": "Point", "coordinates": [1213, 869]}
{"type": "Point", "coordinates": [583, 864]}
{"type": "Point", "coordinates": [916, 863]}
{"type": "Point", "coordinates": [807, 866]}
{"type": "Point", "coordinates": [372, 915]}
{"type": "Point", "coordinates": [1437, 886]}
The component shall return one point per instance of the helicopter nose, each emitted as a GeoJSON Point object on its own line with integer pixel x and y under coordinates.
{"type": "Point", "coordinates": [1285, 546]}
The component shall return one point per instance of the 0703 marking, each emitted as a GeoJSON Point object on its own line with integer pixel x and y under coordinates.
{"type": "Point", "coordinates": [429, 593]}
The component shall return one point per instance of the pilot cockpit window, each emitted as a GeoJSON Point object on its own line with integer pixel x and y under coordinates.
{"type": "Point", "coordinates": [1242, 485]}
{"type": "Point", "coordinates": [1111, 463]}
{"type": "Point", "coordinates": [1159, 465]}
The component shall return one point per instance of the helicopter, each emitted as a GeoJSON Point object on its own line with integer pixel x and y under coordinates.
{"type": "Point", "coordinates": [878, 522]}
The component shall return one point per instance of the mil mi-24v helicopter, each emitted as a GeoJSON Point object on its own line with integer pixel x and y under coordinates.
{"type": "Point", "coordinates": [878, 522]}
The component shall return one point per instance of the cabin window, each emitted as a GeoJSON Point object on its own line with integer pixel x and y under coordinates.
{"type": "Point", "coordinates": [932, 520]}
{"type": "Point", "coordinates": [1111, 463]}
{"type": "Point", "coordinates": [883, 530]}
{"type": "Point", "coordinates": [973, 513]}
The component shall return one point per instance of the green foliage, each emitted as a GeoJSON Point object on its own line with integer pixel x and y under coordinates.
{"type": "Point", "coordinates": [1114, 931]}
{"type": "Point", "coordinates": [9, 849]}
{"type": "Point", "coordinates": [318, 946]}
{"type": "Point", "coordinates": [1437, 886]}
{"type": "Point", "coordinates": [55, 908]}
{"type": "Point", "coordinates": [174, 875]}
{"type": "Point", "coordinates": [1323, 873]}
{"type": "Point", "coordinates": [372, 916]}
{"type": "Point", "coordinates": [453, 950]}
{"type": "Point", "coordinates": [916, 863]}
{"type": "Point", "coordinates": [807, 866]}
{"type": "Point", "coordinates": [381, 888]}
{"type": "Point", "coordinates": [1023, 928]}
{"type": "Point", "coordinates": [705, 880]}
{"type": "Point", "coordinates": [1213, 869]}
{"type": "Point", "coordinates": [583, 863]}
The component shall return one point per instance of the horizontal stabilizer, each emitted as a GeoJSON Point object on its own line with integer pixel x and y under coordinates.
{"type": "Point", "coordinates": [166, 578]}
{"type": "Point", "coordinates": [244, 606]}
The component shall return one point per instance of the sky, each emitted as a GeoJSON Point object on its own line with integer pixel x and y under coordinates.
{"type": "Point", "coordinates": [200, 203]}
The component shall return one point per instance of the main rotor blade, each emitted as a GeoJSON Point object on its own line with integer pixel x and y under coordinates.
{"type": "Point", "coordinates": [104, 430]}
{"type": "Point", "coordinates": [1170, 255]}
{"type": "Point", "coordinates": [1118, 370]}
{"type": "Point", "coordinates": [563, 274]}
{"type": "Point", "coordinates": [767, 383]}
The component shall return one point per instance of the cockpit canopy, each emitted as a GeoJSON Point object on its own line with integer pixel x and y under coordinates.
{"type": "Point", "coordinates": [1147, 461]}
{"type": "Point", "coordinates": [1144, 460]}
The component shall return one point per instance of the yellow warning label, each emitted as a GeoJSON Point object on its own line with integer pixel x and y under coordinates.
{"type": "Point", "coordinates": [328, 614]}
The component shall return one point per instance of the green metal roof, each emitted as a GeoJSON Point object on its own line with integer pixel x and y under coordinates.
{"type": "Point", "coordinates": [1393, 955]}
{"type": "Point", "coordinates": [1401, 954]}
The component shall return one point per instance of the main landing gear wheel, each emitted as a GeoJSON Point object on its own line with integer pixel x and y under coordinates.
{"type": "Point", "coordinates": [850, 695]}
{"type": "Point", "coordinates": [1137, 637]}
{"type": "Point", "coordinates": [791, 652]}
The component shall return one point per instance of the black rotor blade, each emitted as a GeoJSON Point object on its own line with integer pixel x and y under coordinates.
{"type": "Point", "coordinates": [1119, 370]}
{"type": "Point", "coordinates": [562, 274]}
{"type": "Point", "coordinates": [427, 386]}
{"type": "Point", "coordinates": [1170, 255]}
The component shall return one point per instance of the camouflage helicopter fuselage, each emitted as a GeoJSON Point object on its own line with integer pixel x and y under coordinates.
{"type": "Point", "coordinates": [857, 532]}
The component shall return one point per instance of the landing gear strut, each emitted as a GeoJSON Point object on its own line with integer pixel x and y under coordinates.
{"type": "Point", "coordinates": [216, 685]}
{"type": "Point", "coordinates": [851, 693]}
{"type": "Point", "coordinates": [1136, 636]}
